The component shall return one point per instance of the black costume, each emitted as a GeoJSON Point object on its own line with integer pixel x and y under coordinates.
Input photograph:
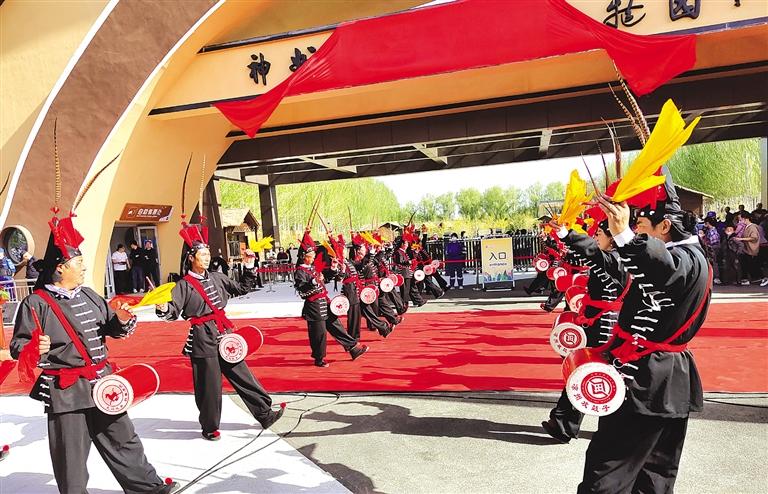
{"type": "Point", "coordinates": [429, 283]}
{"type": "Point", "coordinates": [606, 282]}
{"type": "Point", "coordinates": [368, 275]}
{"type": "Point", "coordinates": [391, 305]}
{"type": "Point", "coordinates": [310, 285]}
{"type": "Point", "coordinates": [408, 290]}
{"type": "Point", "coordinates": [202, 346]}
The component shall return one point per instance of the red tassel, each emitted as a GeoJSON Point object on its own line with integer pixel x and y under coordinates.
{"type": "Point", "coordinates": [29, 357]}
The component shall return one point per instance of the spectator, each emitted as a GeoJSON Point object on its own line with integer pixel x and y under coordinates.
{"type": "Point", "coordinates": [137, 267]}
{"type": "Point", "coordinates": [454, 261]}
{"type": "Point", "coordinates": [7, 270]}
{"type": "Point", "coordinates": [251, 263]}
{"type": "Point", "coordinates": [729, 252]}
{"type": "Point", "coordinates": [150, 263]}
{"type": "Point", "coordinates": [219, 264]}
{"type": "Point", "coordinates": [29, 261]}
{"type": "Point", "coordinates": [120, 269]}
{"type": "Point", "coordinates": [710, 239]}
{"type": "Point", "coordinates": [294, 253]}
{"type": "Point", "coordinates": [750, 237]}
{"type": "Point", "coordinates": [728, 216]}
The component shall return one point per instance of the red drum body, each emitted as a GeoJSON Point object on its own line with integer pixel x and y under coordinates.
{"type": "Point", "coordinates": [339, 305]}
{"type": "Point", "coordinates": [419, 275]}
{"type": "Point", "coordinates": [559, 272]}
{"type": "Point", "coordinates": [400, 280]}
{"type": "Point", "coordinates": [580, 279]}
{"type": "Point", "coordinates": [551, 273]}
{"type": "Point", "coordinates": [368, 295]}
{"type": "Point", "coordinates": [563, 283]}
{"type": "Point", "coordinates": [117, 392]}
{"type": "Point", "coordinates": [566, 335]}
{"type": "Point", "coordinates": [386, 285]}
{"type": "Point", "coordinates": [435, 264]}
{"type": "Point", "coordinates": [234, 347]}
{"type": "Point", "coordinates": [575, 297]}
{"type": "Point", "coordinates": [593, 385]}
{"type": "Point", "coordinates": [429, 270]}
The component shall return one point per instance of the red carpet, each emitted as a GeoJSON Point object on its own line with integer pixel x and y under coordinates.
{"type": "Point", "coordinates": [478, 351]}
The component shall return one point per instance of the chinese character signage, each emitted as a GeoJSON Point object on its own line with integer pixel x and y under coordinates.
{"type": "Point", "coordinates": [146, 213]}
{"type": "Point", "coordinates": [497, 265]}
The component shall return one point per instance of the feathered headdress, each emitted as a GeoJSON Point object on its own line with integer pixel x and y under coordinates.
{"type": "Point", "coordinates": [64, 241]}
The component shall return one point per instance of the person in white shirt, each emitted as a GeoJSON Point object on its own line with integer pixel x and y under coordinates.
{"type": "Point", "coordinates": [120, 268]}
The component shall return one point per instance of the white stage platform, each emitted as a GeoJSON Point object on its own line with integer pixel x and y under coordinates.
{"type": "Point", "coordinates": [168, 427]}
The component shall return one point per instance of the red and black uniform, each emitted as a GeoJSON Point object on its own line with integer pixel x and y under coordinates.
{"type": "Point", "coordinates": [391, 305]}
{"type": "Point", "coordinates": [368, 276]}
{"type": "Point", "coordinates": [350, 288]}
{"type": "Point", "coordinates": [429, 284]}
{"type": "Point", "coordinates": [403, 265]}
{"type": "Point", "coordinates": [310, 285]}
{"type": "Point", "coordinates": [201, 299]}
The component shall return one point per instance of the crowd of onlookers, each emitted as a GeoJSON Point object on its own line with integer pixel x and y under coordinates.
{"type": "Point", "coordinates": [136, 270]}
{"type": "Point", "coordinates": [736, 245]}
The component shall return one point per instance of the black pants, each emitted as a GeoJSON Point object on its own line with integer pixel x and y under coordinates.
{"type": "Point", "coordinates": [432, 287]}
{"type": "Point", "coordinates": [387, 308]}
{"type": "Point", "coordinates": [206, 374]}
{"type": "Point", "coordinates": [317, 336]}
{"type": "Point", "coordinates": [554, 298]}
{"type": "Point", "coordinates": [122, 281]}
{"type": "Point", "coordinates": [397, 300]}
{"type": "Point", "coordinates": [750, 267]}
{"type": "Point", "coordinates": [540, 282]}
{"type": "Point", "coordinates": [70, 436]}
{"type": "Point", "coordinates": [353, 321]}
{"type": "Point", "coordinates": [566, 418]}
{"type": "Point", "coordinates": [409, 292]}
{"type": "Point", "coordinates": [370, 313]}
{"type": "Point", "coordinates": [455, 271]}
{"type": "Point", "coordinates": [634, 453]}
{"type": "Point", "coordinates": [137, 277]}
{"type": "Point", "coordinates": [441, 281]}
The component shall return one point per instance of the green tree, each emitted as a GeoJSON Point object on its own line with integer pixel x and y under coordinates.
{"type": "Point", "coordinates": [470, 202]}
{"type": "Point", "coordinates": [446, 206]}
{"type": "Point", "coordinates": [495, 203]}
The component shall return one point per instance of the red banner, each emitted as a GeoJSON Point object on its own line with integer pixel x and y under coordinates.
{"type": "Point", "coordinates": [464, 35]}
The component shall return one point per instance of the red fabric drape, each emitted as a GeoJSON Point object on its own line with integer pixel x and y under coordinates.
{"type": "Point", "coordinates": [464, 35]}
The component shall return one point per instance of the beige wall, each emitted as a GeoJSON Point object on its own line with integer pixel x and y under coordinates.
{"type": "Point", "coordinates": [30, 64]}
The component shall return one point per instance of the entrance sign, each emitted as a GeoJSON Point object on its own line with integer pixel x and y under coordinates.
{"type": "Point", "coordinates": [497, 262]}
{"type": "Point", "coordinates": [146, 213]}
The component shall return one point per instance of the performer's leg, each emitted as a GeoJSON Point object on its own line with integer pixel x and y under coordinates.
{"type": "Point", "coordinates": [660, 470]}
{"type": "Point", "coordinates": [353, 321]}
{"type": "Point", "coordinates": [564, 420]}
{"type": "Point", "coordinates": [387, 308]}
{"type": "Point", "coordinates": [405, 291]}
{"type": "Point", "coordinates": [397, 300]}
{"type": "Point", "coordinates": [122, 451]}
{"type": "Point", "coordinates": [418, 301]}
{"type": "Point", "coordinates": [373, 320]}
{"type": "Point", "coordinates": [441, 281]}
{"type": "Point", "coordinates": [334, 327]}
{"type": "Point", "coordinates": [206, 375]}
{"type": "Point", "coordinates": [433, 287]}
{"type": "Point", "coordinates": [317, 339]}
{"type": "Point", "coordinates": [69, 443]}
{"type": "Point", "coordinates": [248, 388]}
{"type": "Point", "coordinates": [618, 450]}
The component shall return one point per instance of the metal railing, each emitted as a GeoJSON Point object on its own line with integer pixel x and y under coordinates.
{"type": "Point", "coordinates": [525, 247]}
{"type": "Point", "coordinates": [17, 291]}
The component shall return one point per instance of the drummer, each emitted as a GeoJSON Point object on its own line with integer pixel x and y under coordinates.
{"type": "Point", "coordinates": [70, 347]}
{"type": "Point", "coordinates": [310, 285]}
{"type": "Point", "coordinates": [391, 305]}
{"type": "Point", "coordinates": [423, 260]}
{"type": "Point", "coordinates": [606, 282]}
{"type": "Point", "coordinates": [365, 267]}
{"type": "Point", "coordinates": [201, 297]}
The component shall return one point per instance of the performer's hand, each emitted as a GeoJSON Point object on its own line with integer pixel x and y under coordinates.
{"type": "Point", "coordinates": [5, 354]}
{"type": "Point", "coordinates": [618, 213]}
{"type": "Point", "coordinates": [45, 344]}
{"type": "Point", "coordinates": [162, 307]}
{"type": "Point", "coordinates": [124, 313]}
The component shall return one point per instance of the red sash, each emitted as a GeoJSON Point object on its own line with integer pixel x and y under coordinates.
{"type": "Point", "coordinates": [217, 315]}
{"type": "Point", "coordinates": [323, 293]}
{"type": "Point", "coordinates": [603, 305]}
{"type": "Point", "coordinates": [69, 376]}
{"type": "Point", "coordinates": [630, 350]}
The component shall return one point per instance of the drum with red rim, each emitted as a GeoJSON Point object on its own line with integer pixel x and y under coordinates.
{"type": "Point", "coordinates": [429, 270]}
{"type": "Point", "coordinates": [580, 279]}
{"type": "Point", "coordinates": [435, 264]}
{"type": "Point", "coordinates": [339, 305]}
{"type": "Point", "coordinates": [551, 273]}
{"type": "Point", "coordinates": [393, 277]}
{"type": "Point", "coordinates": [368, 295]}
{"type": "Point", "coordinates": [400, 280]}
{"type": "Point", "coordinates": [236, 346]}
{"type": "Point", "coordinates": [386, 285]}
{"type": "Point", "coordinates": [566, 335]}
{"type": "Point", "coordinates": [419, 275]}
{"type": "Point", "coordinates": [593, 385]}
{"type": "Point", "coordinates": [559, 272]}
{"type": "Point", "coordinates": [575, 297]}
{"type": "Point", "coordinates": [541, 263]}
{"type": "Point", "coordinates": [117, 392]}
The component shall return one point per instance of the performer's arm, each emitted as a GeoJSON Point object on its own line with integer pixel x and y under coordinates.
{"type": "Point", "coordinates": [246, 285]}
{"type": "Point", "coordinates": [111, 323]}
{"type": "Point", "coordinates": [587, 247]}
{"type": "Point", "coordinates": [172, 310]}
{"type": "Point", "coordinates": [22, 329]}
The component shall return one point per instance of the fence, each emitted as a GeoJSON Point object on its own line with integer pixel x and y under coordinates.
{"type": "Point", "coordinates": [17, 290]}
{"type": "Point", "coordinates": [525, 247]}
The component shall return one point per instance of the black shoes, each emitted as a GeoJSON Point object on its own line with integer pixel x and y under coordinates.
{"type": "Point", "coordinates": [272, 417]}
{"type": "Point", "coordinates": [556, 434]}
{"type": "Point", "coordinates": [321, 363]}
{"type": "Point", "coordinates": [170, 486]}
{"type": "Point", "coordinates": [357, 351]}
{"type": "Point", "coordinates": [212, 436]}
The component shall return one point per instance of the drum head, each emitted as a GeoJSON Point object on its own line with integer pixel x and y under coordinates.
{"type": "Point", "coordinates": [339, 305]}
{"type": "Point", "coordinates": [429, 269]}
{"type": "Point", "coordinates": [567, 337]}
{"type": "Point", "coordinates": [541, 264]}
{"type": "Point", "coordinates": [558, 272]}
{"type": "Point", "coordinates": [386, 285]}
{"type": "Point", "coordinates": [435, 264]}
{"type": "Point", "coordinates": [233, 348]}
{"type": "Point", "coordinates": [575, 297]}
{"type": "Point", "coordinates": [368, 295]}
{"type": "Point", "coordinates": [113, 394]}
{"type": "Point", "coordinates": [418, 275]}
{"type": "Point", "coordinates": [596, 388]}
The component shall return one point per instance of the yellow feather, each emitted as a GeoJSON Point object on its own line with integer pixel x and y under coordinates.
{"type": "Point", "coordinates": [328, 247]}
{"type": "Point", "coordinates": [668, 135]}
{"type": "Point", "coordinates": [159, 295]}
{"type": "Point", "coordinates": [575, 197]}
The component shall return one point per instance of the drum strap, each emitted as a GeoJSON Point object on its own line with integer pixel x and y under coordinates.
{"type": "Point", "coordinates": [217, 315]}
{"type": "Point", "coordinates": [322, 294]}
{"type": "Point", "coordinates": [603, 305]}
{"type": "Point", "coordinates": [632, 348]}
{"type": "Point", "coordinates": [70, 375]}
